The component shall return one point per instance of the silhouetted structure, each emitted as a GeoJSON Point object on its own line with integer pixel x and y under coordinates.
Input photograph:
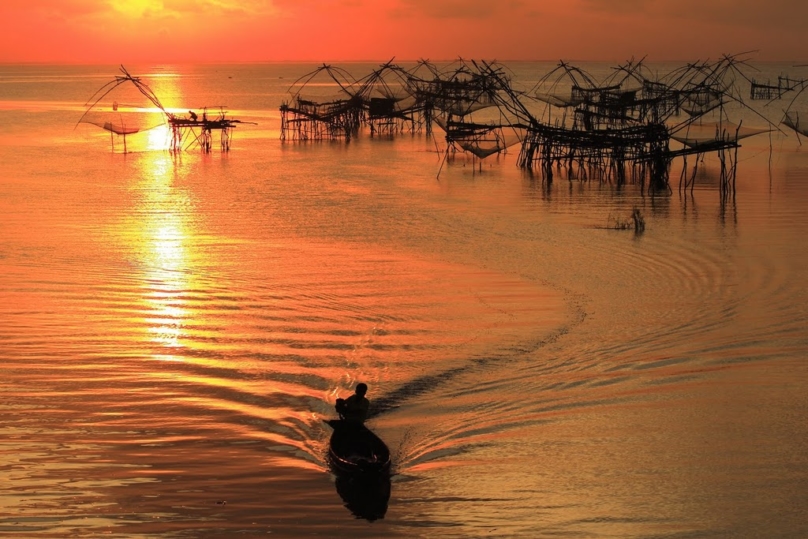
{"type": "Point", "coordinates": [386, 101]}
{"type": "Point", "coordinates": [795, 114]}
{"type": "Point", "coordinates": [792, 119]}
{"type": "Point", "coordinates": [392, 102]}
{"type": "Point", "coordinates": [621, 129]}
{"type": "Point", "coordinates": [185, 133]}
{"type": "Point", "coordinates": [323, 117]}
{"type": "Point", "coordinates": [464, 101]}
{"type": "Point", "coordinates": [769, 91]}
{"type": "Point", "coordinates": [189, 132]}
{"type": "Point", "coordinates": [629, 127]}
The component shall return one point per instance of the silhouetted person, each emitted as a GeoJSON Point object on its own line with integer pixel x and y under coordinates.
{"type": "Point", "coordinates": [193, 115]}
{"type": "Point", "coordinates": [355, 408]}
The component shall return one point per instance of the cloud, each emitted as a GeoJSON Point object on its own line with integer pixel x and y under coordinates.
{"type": "Point", "coordinates": [72, 30]}
{"type": "Point", "coordinates": [143, 8]}
{"type": "Point", "coordinates": [787, 14]}
{"type": "Point", "coordinates": [190, 9]}
{"type": "Point", "coordinates": [216, 8]}
{"type": "Point", "coordinates": [56, 8]}
{"type": "Point", "coordinates": [322, 6]}
{"type": "Point", "coordinates": [461, 9]}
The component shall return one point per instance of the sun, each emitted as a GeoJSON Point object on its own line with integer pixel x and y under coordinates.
{"type": "Point", "coordinates": [137, 8]}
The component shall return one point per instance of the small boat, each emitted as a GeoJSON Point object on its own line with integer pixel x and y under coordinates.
{"type": "Point", "coordinates": [355, 449]}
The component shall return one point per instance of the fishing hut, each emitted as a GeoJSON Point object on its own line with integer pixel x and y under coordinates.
{"type": "Point", "coordinates": [459, 90]}
{"type": "Point", "coordinates": [392, 104]}
{"type": "Point", "coordinates": [422, 80]}
{"type": "Point", "coordinates": [769, 91]}
{"type": "Point", "coordinates": [329, 103]}
{"type": "Point", "coordinates": [193, 130]}
{"type": "Point", "coordinates": [612, 130]}
{"type": "Point", "coordinates": [325, 104]}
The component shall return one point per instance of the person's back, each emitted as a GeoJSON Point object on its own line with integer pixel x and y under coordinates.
{"type": "Point", "coordinates": [356, 407]}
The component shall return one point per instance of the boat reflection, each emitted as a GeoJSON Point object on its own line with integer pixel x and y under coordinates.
{"type": "Point", "coordinates": [365, 496]}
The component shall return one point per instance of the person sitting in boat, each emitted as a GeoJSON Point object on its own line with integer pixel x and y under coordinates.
{"type": "Point", "coordinates": [355, 408]}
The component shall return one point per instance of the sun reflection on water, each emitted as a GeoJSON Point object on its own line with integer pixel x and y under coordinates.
{"type": "Point", "coordinates": [164, 235]}
{"type": "Point", "coordinates": [169, 258]}
{"type": "Point", "coordinates": [159, 138]}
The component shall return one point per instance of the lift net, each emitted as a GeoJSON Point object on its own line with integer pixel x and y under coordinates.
{"type": "Point", "coordinates": [792, 120]}
{"type": "Point", "coordinates": [124, 106]}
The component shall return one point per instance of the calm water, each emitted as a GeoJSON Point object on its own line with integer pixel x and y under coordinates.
{"type": "Point", "coordinates": [173, 330]}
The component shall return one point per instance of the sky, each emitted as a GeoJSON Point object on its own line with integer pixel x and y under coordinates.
{"type": "Point", "coordinates": [124, 31]}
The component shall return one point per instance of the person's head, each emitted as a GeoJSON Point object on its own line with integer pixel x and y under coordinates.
{"type": "Point", "coordinates": [361, 389]}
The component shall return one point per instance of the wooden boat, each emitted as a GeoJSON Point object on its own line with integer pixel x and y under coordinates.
{"type": "Point", "coordinates": [355, 449]}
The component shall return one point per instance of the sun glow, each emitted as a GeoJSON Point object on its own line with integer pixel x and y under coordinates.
{"type": "Point", "coordinates": [159, 138]}
{"type": "Point", "coordinates": [137, 8]}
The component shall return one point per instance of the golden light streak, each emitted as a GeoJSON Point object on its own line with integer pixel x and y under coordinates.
{"type": "Point", "coordinates": [160, 234]}
{"type": "Point", "coordinates": [167, 260]}
{"type": "Point", "coordinates": [137, 8]}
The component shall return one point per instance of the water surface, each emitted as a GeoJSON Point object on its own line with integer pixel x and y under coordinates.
{"type": "Point", "coordinates": [174, 328]}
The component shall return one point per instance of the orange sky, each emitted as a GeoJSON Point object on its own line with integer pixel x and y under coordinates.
{"type": "Point", "coordinates": [116, 31]}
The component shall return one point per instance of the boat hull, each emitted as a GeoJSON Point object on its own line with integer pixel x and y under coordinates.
{"type": "Point", "coordinates": [355, 449]}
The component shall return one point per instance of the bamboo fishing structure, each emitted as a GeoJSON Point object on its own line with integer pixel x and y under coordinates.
{"type": "Point", "coordinates": [768, 91]}
{"type": "Point", "coordinates": [386, 101]}
{"type": "Point", "coordinates": [392, 103]}
{"type": "Point", "coordinates": [186, 132]}
{"type": "Point", "coordinates": [338, 115]}
{"type": "Point", "coordinates": [796, 112]}
{"type": "Point", "coordinates": [627, 127]}
{"type": "Point", "coordinates": [192, 131]}
{"type": "Point", "coordinates": [622, 129]}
